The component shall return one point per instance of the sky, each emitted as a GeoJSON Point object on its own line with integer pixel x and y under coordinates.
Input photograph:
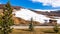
{"type": "Point", "coordinates": [35, 4]}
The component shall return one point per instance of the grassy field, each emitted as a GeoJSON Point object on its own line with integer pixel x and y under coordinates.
{"type": "Point", "coordinates": [36, 31]}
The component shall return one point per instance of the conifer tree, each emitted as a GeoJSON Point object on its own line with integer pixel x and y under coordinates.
{"type": "Point", "coordinates": [6, 20]}
{"type": "Point", "coordinates": [31, 25]}
{"type": "Point", "coordinates": [56, 28]}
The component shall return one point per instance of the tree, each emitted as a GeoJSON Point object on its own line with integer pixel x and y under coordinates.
{"type": "Point", "coordinates": [31, 25]}
{"type": "Point", "coordinates": [56, 29]}
{"type": "Point", "coordinates": [6, 20]}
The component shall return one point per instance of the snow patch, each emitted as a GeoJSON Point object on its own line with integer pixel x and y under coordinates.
{"type": "Point", "coordinates": [28, 14]}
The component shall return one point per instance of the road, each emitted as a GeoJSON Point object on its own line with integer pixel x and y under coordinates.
{"type": "Point", "coordinates": [26, 27]}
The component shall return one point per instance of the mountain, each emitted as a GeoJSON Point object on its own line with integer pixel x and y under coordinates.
{"type": "Point", "coordinates": [37, 16]}
{"type": "Point", "coordinates": [28, 14]}
{"type": "Point", "coordinates": [23, 16]}
{"type": "Point", "coordinates": [51, 13]}
{"type": "Point", "coordinates": [13, 7]}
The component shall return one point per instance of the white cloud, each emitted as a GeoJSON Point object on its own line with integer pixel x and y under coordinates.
{"type": "Point", "coordinates": [53, 3]}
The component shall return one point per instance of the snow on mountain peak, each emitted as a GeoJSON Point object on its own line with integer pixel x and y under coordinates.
{"type": "Point", "coordinates": [28, 14]}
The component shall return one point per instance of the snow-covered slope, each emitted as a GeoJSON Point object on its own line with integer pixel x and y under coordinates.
{"type": "Point", "coordinates": [28, 14]}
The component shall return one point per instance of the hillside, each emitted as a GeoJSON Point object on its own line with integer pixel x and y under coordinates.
{"type": "Point", "coordinates": [28, 14]}
{"type": "Point", "coordinates": [51, 13]}
{"type": "Point", "coordinates": [23, 16]}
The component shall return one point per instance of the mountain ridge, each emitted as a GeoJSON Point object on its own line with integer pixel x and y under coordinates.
{"type": "Point", "coordinates": [39, 17]}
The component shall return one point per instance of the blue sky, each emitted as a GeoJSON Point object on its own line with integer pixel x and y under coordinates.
{"type": "Point", "coordinates": [31, 4]}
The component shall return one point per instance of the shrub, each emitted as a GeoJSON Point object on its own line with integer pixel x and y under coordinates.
{"type": "Point", "coordinates": [31, 27]}
{"type": "Point", "coordinates": [56, 29]}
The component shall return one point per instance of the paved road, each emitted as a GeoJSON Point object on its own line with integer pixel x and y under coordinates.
{"type": "Point", "coordinates": [23, 27]}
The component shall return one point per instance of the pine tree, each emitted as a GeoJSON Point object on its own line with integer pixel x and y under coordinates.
{"type": "Point", "coordinates": [31, 25]}
{"type": "Point", "coordinates": [6, 20]}
{"type": "Point", "coordinates": [56, 28]}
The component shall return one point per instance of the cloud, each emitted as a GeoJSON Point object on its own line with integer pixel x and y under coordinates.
{"type": "Point", "coordinates": [53, 3]}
